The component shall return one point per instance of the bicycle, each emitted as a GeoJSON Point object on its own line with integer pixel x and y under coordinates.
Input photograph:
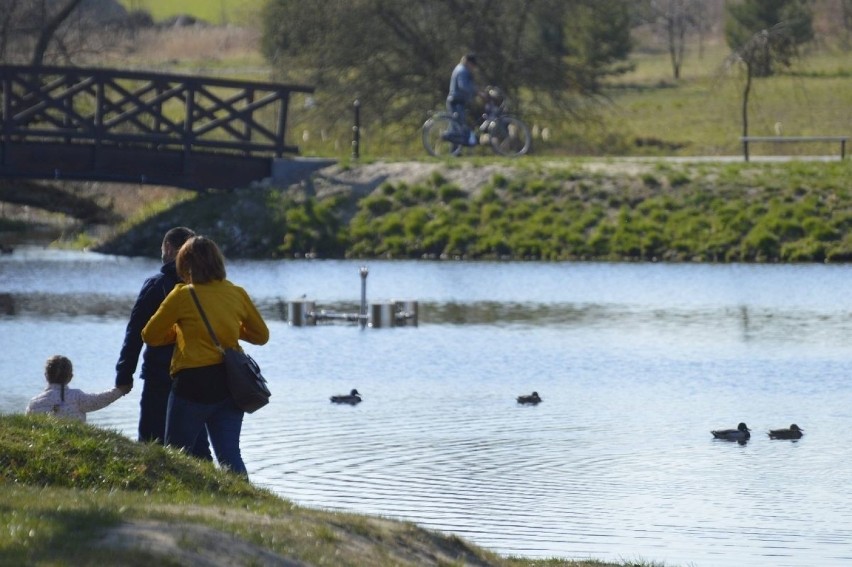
{"type": "Point", "coordinates": [444, 135]}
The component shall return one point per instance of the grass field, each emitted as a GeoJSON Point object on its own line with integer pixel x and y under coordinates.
{"type": "Point", "coordinates": [645, 112]}
{"type": "Point", "coordinates": [701, 113]}
{"type": "Point", "coordinates": [213, 11]}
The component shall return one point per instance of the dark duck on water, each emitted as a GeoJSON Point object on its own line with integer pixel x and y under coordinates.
{"type": "Point", "coordinates": [793, 432]}
{"type": "Point", "coordinates": [532, 399]}
{"type": "Point", "coordinates": [741, 433]}
{"type": "Point", "coordinates": [352, 398]}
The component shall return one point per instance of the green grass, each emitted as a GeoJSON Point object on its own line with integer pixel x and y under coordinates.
{"type": "Point", "coordinates": [65, 487]}
{"type": "Point", "coordinates": [213, 11]}
{"type": "Point", "coordinates": [645, 112]}
{"type": "Point", "coordinates": [648, 113]}
{"type": "Point", "coordinates": [701, 113]}
{"type": "Point", "coordinates": [542, 210]}
{"type": "Point", "coordinates": [42, 451]}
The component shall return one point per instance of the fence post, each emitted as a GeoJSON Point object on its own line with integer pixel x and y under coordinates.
{"type": "Point", "coordinates": [356, 130]}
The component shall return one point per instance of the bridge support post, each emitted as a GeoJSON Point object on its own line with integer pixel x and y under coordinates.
{"type": "Point", "coordinates": [188, 126]}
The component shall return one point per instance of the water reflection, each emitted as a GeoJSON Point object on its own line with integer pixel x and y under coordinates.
{"type": "Point", "coordinates": [778, 322]}
{"type": "Point", "coordinates": [635, 364]}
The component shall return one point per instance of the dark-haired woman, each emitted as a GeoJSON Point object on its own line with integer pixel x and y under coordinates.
{"type": "Point", "coordinates": [199, 398]}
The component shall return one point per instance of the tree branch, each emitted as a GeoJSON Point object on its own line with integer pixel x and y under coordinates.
{"type": "Point", "coordinates": [49, 30]}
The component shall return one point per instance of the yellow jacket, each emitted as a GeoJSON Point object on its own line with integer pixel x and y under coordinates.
{"type": "Point", "coordinates": [230, 311]}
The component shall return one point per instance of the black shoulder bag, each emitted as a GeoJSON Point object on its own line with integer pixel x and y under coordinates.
{"type": "Point", "coordinates": [247, 385]}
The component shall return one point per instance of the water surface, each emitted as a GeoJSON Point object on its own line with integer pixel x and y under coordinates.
{"type": "Point", "coordinates": [635, 363]}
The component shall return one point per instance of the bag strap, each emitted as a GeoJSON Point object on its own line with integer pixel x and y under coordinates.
{"type": "Point", "coordinates": [204, 318]}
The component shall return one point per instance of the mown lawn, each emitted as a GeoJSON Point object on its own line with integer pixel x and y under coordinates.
{"type": "Point", "coordinates": [212, 11]}
{"type": "Point", "coordinates": [645, 112]}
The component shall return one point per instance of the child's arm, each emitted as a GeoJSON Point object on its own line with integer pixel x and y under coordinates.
{"type": "Point", "coordinates": [93, 402]}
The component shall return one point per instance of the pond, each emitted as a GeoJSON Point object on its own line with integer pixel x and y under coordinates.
{"type": "Point", "coordinates": [635, 364]}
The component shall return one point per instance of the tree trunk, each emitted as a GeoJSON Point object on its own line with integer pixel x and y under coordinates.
{"type": "Point", "coordinates": [6, 25]}
{"type": "Point", "coordinates": [846, 7]}
{"type": "Point", "coordinates": [48, 30]}
{"type": "Point", "coordinates": [673, 47]}
{"type": "Point", "coordinates": [746, 93]}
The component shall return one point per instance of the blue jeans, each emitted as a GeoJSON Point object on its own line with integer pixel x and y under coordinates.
{"type": "Point", "coordinates": [186, 421]}
{"type": "Point", "coordinates": [458, 110]}
{"type": "Point", "coordinates": [152, 417]}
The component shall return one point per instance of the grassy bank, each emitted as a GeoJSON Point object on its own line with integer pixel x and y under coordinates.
{"type": "Point", "coordinates": [644, 112]}
{"type": "Point", "coordinates": [222, 12]}
{"type": "Point", "coordinates": [535, 210]}
{"type": "Point", "coordinates": [72, 494]}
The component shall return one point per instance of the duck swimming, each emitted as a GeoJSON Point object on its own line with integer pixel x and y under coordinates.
{"type": "Point", "coordinates": [353, 398]}
{"type": "Point", "coordinates": [741, 433]}
{"type": "Point", "coordinates": [793, 432]}
{"type": "Point", "coordinates": [531, 399]}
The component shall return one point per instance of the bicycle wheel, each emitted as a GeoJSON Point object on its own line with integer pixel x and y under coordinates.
{"type": "Point", "coordinates": [438, 132]}
{"type": "Point", "coordinates": [509, 136]}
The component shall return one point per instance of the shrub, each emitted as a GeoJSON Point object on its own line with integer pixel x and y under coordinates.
{"type": "Point", "coordinates": [819, 229]}
{"type": "Point", "coordinates": [760, 244]}
{"type": "Point", "coordinates": [448, 193]}
{"type": "Point", "coordinates": [377, 205]}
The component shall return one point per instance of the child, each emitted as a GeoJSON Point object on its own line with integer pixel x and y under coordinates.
{"type": "Point", "coordinates": [67, 402]}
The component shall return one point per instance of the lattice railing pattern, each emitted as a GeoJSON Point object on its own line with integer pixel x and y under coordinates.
{"type": "Point", "coordinates": [114, 107]}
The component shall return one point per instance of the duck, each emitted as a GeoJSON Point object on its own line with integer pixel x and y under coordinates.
{"type": "Point", "coordinates": [741, 433]}
{"type": "Point", "coordinates": [353, 398]}
{"type": "Point", "coordinates": [793, 432]}
{"type": "Point", "coordinates": [531, 399]}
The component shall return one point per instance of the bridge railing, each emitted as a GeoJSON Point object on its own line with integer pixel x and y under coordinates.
{"type": "Point", "coordinates": [157, 111]}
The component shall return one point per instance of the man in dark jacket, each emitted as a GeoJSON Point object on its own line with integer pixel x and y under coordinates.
{"type": "Point", "coordinates": [155, 360]}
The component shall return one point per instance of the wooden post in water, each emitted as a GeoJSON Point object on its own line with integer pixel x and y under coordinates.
{"type": "Point", "coordinates": [382, 315]}
{"type": "Point", "coordinates": [301, 313]}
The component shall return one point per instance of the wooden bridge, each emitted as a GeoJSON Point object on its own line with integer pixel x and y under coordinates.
{"type": "Point", "coordinates": [126, 126]}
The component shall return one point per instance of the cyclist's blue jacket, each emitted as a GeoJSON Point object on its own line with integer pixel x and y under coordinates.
{"type": "Point", "coordinates": [462, 87]}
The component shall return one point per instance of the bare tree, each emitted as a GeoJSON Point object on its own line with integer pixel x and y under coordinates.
{"type": "Point", "coordinates": [752, 55]}
{"type": "Point", "coordinates": [38, 31]}
{"type": "Point", "coordinates": [846, 16]}
{"type": "Point", "coordinates": [674, 20]}
{"type": "Point", "coordinates": [50, 26]}
{"type": "Point", "coordinates": [788, 24]}
{"type": "Point", "coordinates": [10, 19]}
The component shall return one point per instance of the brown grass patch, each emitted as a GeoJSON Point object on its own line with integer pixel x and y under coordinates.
{"type": "Point", "coordinates": [227, 49]}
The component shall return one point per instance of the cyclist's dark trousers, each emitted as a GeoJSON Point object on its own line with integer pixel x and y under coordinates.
{"type": "Point", "coordinates": [457, 109]}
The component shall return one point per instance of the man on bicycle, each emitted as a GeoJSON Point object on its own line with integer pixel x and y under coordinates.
{"type": "Point", "coordinates": [462, 92]}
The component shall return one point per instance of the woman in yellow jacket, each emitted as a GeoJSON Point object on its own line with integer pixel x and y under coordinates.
{"type": "Point", "coordinates": [199, 396]}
